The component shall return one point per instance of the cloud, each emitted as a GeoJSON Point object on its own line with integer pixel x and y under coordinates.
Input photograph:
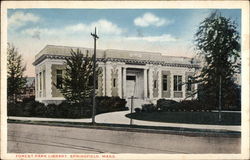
{"type": "Point", "coordinates": [150, 19]}
{"type": "Point", "coordinates": [161, 38]}
{"type": "Point", "coordinates": [19, 19]}
{"type": "Point", "coordinates": [104, 27]}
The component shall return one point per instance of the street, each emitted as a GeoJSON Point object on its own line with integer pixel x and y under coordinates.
{"type": "Point", "coordinates": [26, 138]}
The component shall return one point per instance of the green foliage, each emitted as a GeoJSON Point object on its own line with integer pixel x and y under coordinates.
{"type": "Point", "coordinates": [185, 105]}
{"type": "Point", "coordinates": [77, 79]}
{"type": "Point", "coordinates": [217, 42]}
{"type": "Point", "coordinates": [137, 110]}
{"type": "Point", "coordinates": [148, 108]}
{"type": "Point", "coordinates": [164, 104]}
{"type": "Point", "coordinates": [15, 78]}
{"type": "Point", "coordinates": [110, 104]}
{"type": "Point", "coordinates": [66, 109]}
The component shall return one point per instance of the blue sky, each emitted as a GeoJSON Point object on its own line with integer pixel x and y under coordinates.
{"type": "Point", "coordinates": [169, 31]}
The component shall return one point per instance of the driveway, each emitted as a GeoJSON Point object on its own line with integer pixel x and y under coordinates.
{"type": "Point", "coordinates": [120, 118]}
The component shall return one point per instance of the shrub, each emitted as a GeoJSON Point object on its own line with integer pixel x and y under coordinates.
{"type": "Point", "coordinates": [32, 108]}
{"type": "Point", "coordinates": [110, 104]}
{"type": "Point", "coordinates": [148, 108]}
{"type": "Point", "coordinates": [137, 110]}
{"type": "Point", "coordinates": [189, 105]}
{"type": "Point", "coordinates": [14, 109]}
{"type": "Point", "coordinates": [166, 105]}
{"type": "Point", "coordinates": [26, 100]}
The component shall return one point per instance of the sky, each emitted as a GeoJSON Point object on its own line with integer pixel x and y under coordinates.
{"type": "Point", "coordinates": [168, 31]}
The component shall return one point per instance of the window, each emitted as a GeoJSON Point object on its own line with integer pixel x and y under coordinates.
{"type": "Point", "coordinates": [165, 82]}
{"type": "Point", "coordinates": [155, 84]}
{"type": "Point", "coordinates": [59, 78]}
{"type": "Point", "coordinates": [96, 83]}
{"type": "Point", "coordinates": [131, 78]}
{"type": "Point", "coordinates": [114, 82]}
{"type": "Point", "coordinates": [177, 83]}
{"type": "Point", "coordinates": [189, 83]}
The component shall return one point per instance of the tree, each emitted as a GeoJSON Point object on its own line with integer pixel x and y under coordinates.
{"type": "Point", "coordinates": [217, 42]}
{"type": "Point", "coordinates": [15, 78]}
{"type": "Point", "coordinates": [77, 82]}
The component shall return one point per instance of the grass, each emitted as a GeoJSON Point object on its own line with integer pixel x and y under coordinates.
{"type": "Point", "coordinates": [208, 118]}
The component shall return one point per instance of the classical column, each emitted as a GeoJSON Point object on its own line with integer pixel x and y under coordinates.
{"type": "Point", "coordinates": [195, 88]}
{"type": "Point", "coordinates": [160, 82]}
{"type": "Point", "coordinates": [145, 84]}
{"type": "Point", "coordinates": [150, 83]}
{"type": "Point", "coordinates": [37, 84]}
{"type": "Point", "coordinates": [124, 78]}
{"type": "Point", "coordinates": [108, 79]}
{"type": "Point", "coordinates": [184, 86]}
{"type": "Point", "coordinates": [41, 79]}
{"type": "Point", "coordinates": [48, 79]}
{"type": "Point", "coordinates": [119, 81]}
{"type": "Point", "coordinates": [103, 80]}
{"type": "Point", "coordinates": [172, 85]}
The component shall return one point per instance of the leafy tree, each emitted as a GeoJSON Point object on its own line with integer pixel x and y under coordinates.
{"type": "Point", "coordinates": [77, 83]}
{"type": "Point", "coordinates": [217, 42]}
{"type": "Point", "coordinates": [15, 79]}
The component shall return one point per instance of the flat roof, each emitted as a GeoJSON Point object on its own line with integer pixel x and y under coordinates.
{"type": "Point", "coordinates": [64, 51]}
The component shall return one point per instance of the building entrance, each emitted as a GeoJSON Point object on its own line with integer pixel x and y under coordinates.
{"type": "Point", "coordinates": [131, 86]}
{"type": "Point", "coordinates": [134, 83]}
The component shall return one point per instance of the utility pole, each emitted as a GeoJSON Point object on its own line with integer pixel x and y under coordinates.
{"type": "Point", "coordinates": [94, 76]}
{"type": "Point", "coordinates": [220, 100]}
{"type": "Point", "coordinates": [132, 106]}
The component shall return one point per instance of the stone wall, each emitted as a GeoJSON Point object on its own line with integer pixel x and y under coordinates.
{"type": "Point", "coordinates": [155, 78]}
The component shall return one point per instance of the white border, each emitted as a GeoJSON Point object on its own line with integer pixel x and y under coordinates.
{"type": "Point", "coordinates": [243, 5]}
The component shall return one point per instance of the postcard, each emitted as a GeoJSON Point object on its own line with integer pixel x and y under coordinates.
{"type": "Point", "coordinates": [125, 80]}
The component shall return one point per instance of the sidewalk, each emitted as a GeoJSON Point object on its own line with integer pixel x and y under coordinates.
{"type": "Point", "coordinates": [120, 118]}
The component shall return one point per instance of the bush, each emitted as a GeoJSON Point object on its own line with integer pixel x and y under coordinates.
{"type": "Point", "coordinates": [185, 105]}
{"type": "Point", "coordinates": [14, 109]}
{"type": "Point", "coordinates": [26, 100]}
{"type": "Point", "coordinates": [137, 110]}
{"type": "Point", "coordinates": [148, 108]}
{"type": "Point", "coordinates": [32, 108]}
{"type": "Point", "coordinates": [110, 104]}
{"type": "Point", "coordinates": [166, 105]}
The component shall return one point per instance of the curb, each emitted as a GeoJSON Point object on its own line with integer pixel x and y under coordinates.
{"type": "Point", "coordinates": [136, 128]}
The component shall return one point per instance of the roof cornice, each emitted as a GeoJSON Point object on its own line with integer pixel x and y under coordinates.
{"type": "Point", "coordinates": [135, 61]}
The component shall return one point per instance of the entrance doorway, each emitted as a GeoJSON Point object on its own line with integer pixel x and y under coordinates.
{"type": "Point", "coordinates": [130, 85]}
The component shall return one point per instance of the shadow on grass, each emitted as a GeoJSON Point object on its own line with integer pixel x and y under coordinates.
{"type": "Point", "coordinates": [208, 118]}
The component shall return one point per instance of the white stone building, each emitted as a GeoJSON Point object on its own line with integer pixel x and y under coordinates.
{"type": "Point", "coordinates": [145, 75]}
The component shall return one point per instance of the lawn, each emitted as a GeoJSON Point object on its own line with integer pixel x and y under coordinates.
{"type": "Point", "coordinates": [210, 118]}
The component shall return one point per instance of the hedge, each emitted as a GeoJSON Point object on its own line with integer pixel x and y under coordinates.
{"type": "Point", "coordinates": [185, 105]}
{"type": "Point", "coordinates": [148, 108]}
{"type": "Point", "coordinates": [32, 108]}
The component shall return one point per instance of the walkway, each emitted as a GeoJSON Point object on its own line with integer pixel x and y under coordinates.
{"type": "Point", "coordinates": [120, 118]}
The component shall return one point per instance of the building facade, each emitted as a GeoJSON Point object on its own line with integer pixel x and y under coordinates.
{"type": "Point", "coordinates": [145, 75]}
